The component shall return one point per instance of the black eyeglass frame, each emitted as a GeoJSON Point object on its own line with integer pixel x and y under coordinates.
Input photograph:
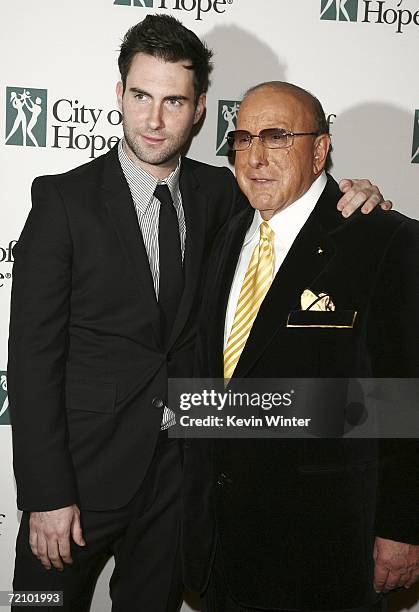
{"type": "Point", "coordinates": [262, 135]}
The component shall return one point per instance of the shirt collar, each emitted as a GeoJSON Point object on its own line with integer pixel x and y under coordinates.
{"type": "Point", "coordinates": [137, 176]}
{"type": "Point", "coordinates": [293, 216]}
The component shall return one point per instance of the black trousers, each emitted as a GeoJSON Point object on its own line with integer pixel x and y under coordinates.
{"type": "Point", "coordinates": [217, 597]}
{"type": "Point", "coordinates": [143, 537]}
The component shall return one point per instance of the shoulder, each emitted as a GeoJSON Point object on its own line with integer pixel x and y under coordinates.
{"type": "Point", "coordinates": [376, 227]}
{"type": "Point", "coordinates": [384, 225]}
{"type": "Point", "coordinates": [207, 173]}
{"type": "Point", "coordinates": [87, 173]}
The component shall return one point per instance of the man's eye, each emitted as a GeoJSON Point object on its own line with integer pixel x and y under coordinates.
{"type": "Point", "coordinates": [140, 97]}
{"type": "Point", "coordinates": [174, 102]}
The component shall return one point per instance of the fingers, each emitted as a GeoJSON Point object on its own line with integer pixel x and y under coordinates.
{"type": "Point", "coordinates": [380, 577]}
{"type": "Point", "coordinates": [370, 202]}
{"type": "Point", "coordinates": [394, 580]}
{"type": "Point", "coordinates": [43, 552]}
{"type": "Point", "coordinates": [386, 205]}
{"type": "Point", "coordinates": [386, 579]}
{"type": "Point", "coordinates": [76, 531]}
{"type": "Point", "coordinates": [49, 536]}
{"type": "Point", "coordinates": [64, 550]}
{"type": "Point", "coordinates": [357, 193]}
{"type": "Point", "coordinates": [413, 578]}
{"type": "Point", "coordinates": [33, 541]}
{"type": "Point", "coordinates": [345, 185]}
{"type": "Point", "coordinates": [54, 554]}
{"type": "Point", "coordinates": [353, 199]}
{"type": "Point", "coordinates": [396, 564]}
{"type": "Point", "coordinates": [50, 550]}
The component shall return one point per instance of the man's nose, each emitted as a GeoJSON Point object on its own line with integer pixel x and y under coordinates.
{"type": "Point", "coordinates": [155, 119]}
{"type": "Point", "coordinates": [257, 154]}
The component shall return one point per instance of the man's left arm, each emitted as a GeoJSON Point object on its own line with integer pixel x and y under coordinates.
{"type": "Point", "coordinates": [394, 343]}
{"type": "Point", "coordinates": [360, 192]}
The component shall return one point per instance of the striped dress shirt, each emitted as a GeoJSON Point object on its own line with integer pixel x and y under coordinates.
{"type": "Point", "coordinates": [142, 186]}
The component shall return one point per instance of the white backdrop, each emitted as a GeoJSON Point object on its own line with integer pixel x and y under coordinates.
{"type": "Point", "coordinates": [59, 69]}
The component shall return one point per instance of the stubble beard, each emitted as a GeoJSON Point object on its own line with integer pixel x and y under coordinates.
{"type": "Point", "coordinates": [169, 151]}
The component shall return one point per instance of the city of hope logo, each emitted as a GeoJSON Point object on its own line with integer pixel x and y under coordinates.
{"type": "Point", "coordinates": [415, 145]}
{"type": "Point", "coordinates": [72, 125]}
{"type": "Point", "coordinates": [26, 116]}
{"type": "Point", "coordinates": [389, 12]}
{"type": "Point", "coordinates": [199, 7]}
{"type": "Point", "coordinates": [227, 120]}
{"type": "Point", "coordinates": [339, 10]}
{"type": "Point", "coordinates": [4, 401]}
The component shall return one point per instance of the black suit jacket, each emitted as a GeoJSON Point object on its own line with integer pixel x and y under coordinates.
{"type": "Point", "coordinates": [86, 365]}
{"type": "Point", "coordinates": [297, 518]}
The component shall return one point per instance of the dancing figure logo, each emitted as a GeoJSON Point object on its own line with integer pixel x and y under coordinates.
{"type": "Point", "coordinates": [26, 117]}
{"type": "Point", "coordinates": [339, 10]}
{"type": "Point", "coordinates": [227, 120]}
{"type": "Point", "coordinates": [4, 402]}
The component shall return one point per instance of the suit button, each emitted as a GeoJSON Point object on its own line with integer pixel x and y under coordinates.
{"type": "Point", "coordinates": [157, 402]}
{"type": "Point", "coordinates": [223, 479]}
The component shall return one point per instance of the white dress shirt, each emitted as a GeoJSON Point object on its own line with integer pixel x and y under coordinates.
{"type": "Point", "coordinates": [142, 186]}
{"type": "Point", "coordinates": [286, 224]}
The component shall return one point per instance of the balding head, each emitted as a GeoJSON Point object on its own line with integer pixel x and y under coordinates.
{"type": "Point", "coordinates": [275, 178]}
{"type": "Point", "coordinates": [307, 98]}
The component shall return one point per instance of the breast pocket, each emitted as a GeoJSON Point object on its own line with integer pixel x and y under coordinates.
{"type": "Point", "coordinates": [330, 319]}
{"type": "Point", "coordinates": [329, 340]}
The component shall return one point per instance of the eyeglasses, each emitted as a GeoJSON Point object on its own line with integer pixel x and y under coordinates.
{"type": "Point", "coordinates": [271, 138]}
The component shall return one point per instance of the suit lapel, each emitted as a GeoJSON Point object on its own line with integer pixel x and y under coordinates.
{"type": "Point", "coordinates": [117, 198]}
{"type": "Point", "coordinates": [195, 208]}
{"type": "Point", "coordinates": [299, 270]}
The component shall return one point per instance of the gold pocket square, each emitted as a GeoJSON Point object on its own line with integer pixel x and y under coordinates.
{"type": "Point", "coordinates": [319, 311]}
{"type": "Point", "coordinates": [311, 301]}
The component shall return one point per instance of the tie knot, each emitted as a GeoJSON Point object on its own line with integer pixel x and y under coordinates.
{"type": "Point", "coordinates": [162, 193]}
{"type": "Point", "coordinates": [266, 232]}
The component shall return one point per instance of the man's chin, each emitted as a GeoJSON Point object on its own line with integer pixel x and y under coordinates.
{"type": "Point", "coordinates": [261, 203]}
{"type": "Point", "coordinates": [267, 208]}
{"type": "Point", "coordinates": [154, 158]}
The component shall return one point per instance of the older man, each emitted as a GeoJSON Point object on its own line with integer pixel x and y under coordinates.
{"type": "Point", "coordinates": [304, 524]}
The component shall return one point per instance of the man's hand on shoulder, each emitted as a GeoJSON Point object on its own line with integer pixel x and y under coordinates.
{"type": "Point", "coordinates": [49, 535]}
{"type": "Point", "coordinates": [360, 192]}
{"type": "Point", "coordinates": [396, 565]}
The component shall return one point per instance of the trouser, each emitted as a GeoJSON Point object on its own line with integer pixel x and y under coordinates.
{"type": "Point", "coordinates": [143, 537]}
{"type": "Point", "coordinates": [217, 597]}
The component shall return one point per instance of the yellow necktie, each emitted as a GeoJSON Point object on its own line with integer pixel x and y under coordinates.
{"type": "Point", "coordinates": [256, 283]}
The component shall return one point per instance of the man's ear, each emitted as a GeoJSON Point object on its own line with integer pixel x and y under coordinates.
{"type": "Point", "coordinates": [320, 152]}
{"type": "Point", "coordinates": [119, 94]}
{"type": "Point", "coordinates": [200, 108]}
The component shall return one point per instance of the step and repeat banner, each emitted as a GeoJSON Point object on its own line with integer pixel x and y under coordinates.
{"type": "Point", "coordinates": [57, 85]}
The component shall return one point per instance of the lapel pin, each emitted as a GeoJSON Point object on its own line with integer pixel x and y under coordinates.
{"type": "Point", "coordinates": [320, 250]}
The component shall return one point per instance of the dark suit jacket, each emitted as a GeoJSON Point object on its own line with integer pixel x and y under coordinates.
{"type": "Point", "coordinates": [86, 364]}
{"type": "Point", "coordinates": [297, 518]}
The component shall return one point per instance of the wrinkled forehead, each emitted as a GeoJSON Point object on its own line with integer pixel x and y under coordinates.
{"type": "Point", "coordinates": [269, 107]}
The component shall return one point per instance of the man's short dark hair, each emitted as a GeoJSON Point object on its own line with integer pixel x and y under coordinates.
{"type": "Point", "coordinates": [321, 126]}
{"type": "Point", "coordinates": [166, 38]}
